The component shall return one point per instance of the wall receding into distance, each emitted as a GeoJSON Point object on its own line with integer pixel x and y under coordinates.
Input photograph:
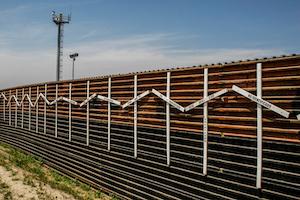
{"type": "Point", "coordinates": [140, 135]}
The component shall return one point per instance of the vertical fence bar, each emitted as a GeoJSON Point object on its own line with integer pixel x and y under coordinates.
{"type": "Point", "coordinates": [70, 112]}
{"type": "Point", "coordinates": [108, 114]}
{"type": "Point", "coordinates": [22, 101]}
{"type": "Point", "coordinates": [205, 122]}
{"type": "Point", "coordinates": [56, 96]}
{"type": "Point", "coordinates": [259, 125]}
{"type": "Point", "coordinates": [3, 109]}
{"type": "Point", "coordinates": [135, 117]}
{"type": "Point", "coordinates": [16, 109]}
{"type": "Point", "coordinates": [168, 118]}
{"type": "Point", "coordinates": [9, 108]}
{"type": "Point", "coordinates": [37, 111]}
{"type": "Point", "coordinates": [88, 114]}
{"type": "Point", "coordinates": [45, 111]}
{"type": "Point", "coordinates": [29, 110]}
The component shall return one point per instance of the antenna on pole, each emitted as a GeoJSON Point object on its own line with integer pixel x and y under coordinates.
{"type": "Point", "coordinates": [60, 20]}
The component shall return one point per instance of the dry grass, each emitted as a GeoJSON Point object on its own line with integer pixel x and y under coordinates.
{"type": "Point", "coordinates": [31, 171]}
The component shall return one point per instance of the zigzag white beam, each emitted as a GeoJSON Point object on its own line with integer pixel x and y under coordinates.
{"type": "Point", "coordinates": [205, 99]}
{"type": "Point", "coordinates": [109, 100]}
{"type": "Point", "coordinates": [55, 101]}
{"type": "Point", "coordinates": [137, 98]}
{"type": "Point", "coordinates": [4, 97]}
{"type": "Point", "coordinates": [298, 117]}
{"type": "Point", "coordinates": [261, 101]}
{"type": "Point", "coordinates": [70, 101]}
{"type": "Point", "coordinates": [41, 95]}
{"type": "Point", "coordinates": [15, 98]}
{"type": "Point", "coordinates": [29, 100]}
{"type": "Point", "coordinates": [168, 100]}
{"type": "Point", "coordinates": [63, 99]}
{"type": "Point", "coordinates": [88, 99]}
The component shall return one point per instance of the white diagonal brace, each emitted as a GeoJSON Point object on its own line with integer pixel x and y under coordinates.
{"type": "Point", "coordinates": [4, 97]}
{"type": "Point", "coordinates": [13, 97]}
{"type": "Point", "coordinates": [69, 101]}
{"type": "Point", "coordinates": [29, 100]}
{"type": "Point", "coordinates": [88, 99]}
{"type": "Point", "coordinates": [41, 95]}
{"type": "Point", "coordinates": [109, 100]}
{"type": "Point", "coordinates": [261, 101]}
{"type": "Point", "coordinates": [298, 117]}
{"type": "Point", "coordinates": [55, 101]}
{"type": "Point", "coordinates": [206, 99]}
{"type": "Point", "coordinates": [168, 100]}
{"type": "Point", "coordinates": [63, 99]}
{"type": "Point", "coordinates": [137, 98]}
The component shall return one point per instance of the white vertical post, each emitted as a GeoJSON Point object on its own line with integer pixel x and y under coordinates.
{"type": "Point", "coordinates": [135, 117]}
{"type": "Point", "coordinates": [205, 122]}
{"type": "Point", "coordinates": [22, 118]}
{"type": "Point", "coordinates": [259, 125]}
{"type": "Point", "coordinates": [16, 110]}
{"type": "Point", "coordinates": [29, 110]}
{"type": "Point", "coordinates": [9, 109]}
{"type": "Point", "coordinates": [45, 111]}
{"type": "Point", "coordinates": [70, 112]}
{"type": "Point", "coordinates": [3, 108]}
{"type": "Point", "coordinates": [168, 118]}
{"type": "Point", "coordinates": [37, 111]}
{"type": "Point", "coordinates": [88, 114]}
{"type": "Point", "coordinates": [108, 114]}
{"type": "Point", "coordinates": [56, 96]}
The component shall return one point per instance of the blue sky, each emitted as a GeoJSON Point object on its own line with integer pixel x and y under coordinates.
{"type": "Point", "coordinates": [119, 36]}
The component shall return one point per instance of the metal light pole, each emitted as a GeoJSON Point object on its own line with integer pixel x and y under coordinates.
{"type": "Point", "coordinates": [73, 57]}
{"type": "Point", "coordinates": [60, 20]}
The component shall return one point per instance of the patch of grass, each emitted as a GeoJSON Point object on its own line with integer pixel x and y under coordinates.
{"type": "Point", "coordinates": [37, 171]}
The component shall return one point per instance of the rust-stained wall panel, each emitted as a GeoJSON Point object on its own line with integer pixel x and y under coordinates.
{"type": "Point", "coordinates": [232, 128]}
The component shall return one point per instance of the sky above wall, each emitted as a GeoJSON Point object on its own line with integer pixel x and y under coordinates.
{"type": "Point", "coordinates": [120, 36]}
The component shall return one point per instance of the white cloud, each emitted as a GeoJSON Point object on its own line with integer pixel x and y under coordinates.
{"type": "Point", "coordinates": [120, 55]}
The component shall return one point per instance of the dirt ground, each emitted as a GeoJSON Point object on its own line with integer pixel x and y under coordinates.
{"type": "Point", "coordinates": [13, 185]}
{"type": "Point", "coordinates": [24, 178]}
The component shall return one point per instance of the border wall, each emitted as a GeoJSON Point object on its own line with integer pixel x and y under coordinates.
{"type": "Point", "coordinates": [221, 131]}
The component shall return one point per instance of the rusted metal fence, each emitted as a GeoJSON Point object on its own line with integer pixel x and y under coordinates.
{"type": "Point", "coordinates": [192, 127]}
